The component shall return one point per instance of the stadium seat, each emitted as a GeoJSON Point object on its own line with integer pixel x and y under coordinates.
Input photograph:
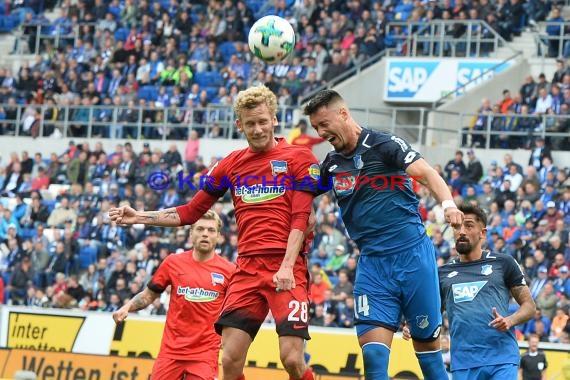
{"type": "Point", "coordinates": [121, 34]}
{"type": "Point", "coordinates": [148, 93]}
{"type": "Point", "coordinates": [87, 256]}
{"type": "Point", "coordinates": [227, 49]}
{"type": "Point", "coordinates": [212, 92]}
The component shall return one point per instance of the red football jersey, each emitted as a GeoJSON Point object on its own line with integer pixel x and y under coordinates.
{"type": "Point", "coordinates": [262, 186]}
{"type": "Point", "coordinates": [196, 298]}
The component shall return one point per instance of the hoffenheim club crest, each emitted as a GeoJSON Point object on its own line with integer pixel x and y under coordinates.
{"type": "Point", "coordinates": [358, 163]}
{"type": "Point", "coordinates": [486, 270]}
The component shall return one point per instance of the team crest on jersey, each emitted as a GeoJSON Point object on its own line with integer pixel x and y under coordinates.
{"type": "Point", "coordinates": [217, 278]}
{"type": "Point", "coordinates": [422, 321]}
{"type": "Point", "coordinates": [278, 167]}
{"type": "Point", "coordinates": [358, 163]}
{"type": "Point", "coordinates": [486, 269]}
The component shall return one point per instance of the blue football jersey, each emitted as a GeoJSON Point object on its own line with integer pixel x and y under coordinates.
{"type": "Point", "coordinates": [378, 204]}
{"type": "Point", "coordinates": [469, 292]}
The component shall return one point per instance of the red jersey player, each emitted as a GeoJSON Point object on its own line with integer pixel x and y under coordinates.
{"type": "Point", "coordinates": [199, 280]}
{"type": "Point", "coordinates": [272, 185]}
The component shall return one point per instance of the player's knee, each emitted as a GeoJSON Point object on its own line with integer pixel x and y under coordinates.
{"type": "Point", "coordinates": [376, 357]}
{"type": "Point", "coordinates": [294, 363]}
{"type": "Point", "coordinates": [232, 359]}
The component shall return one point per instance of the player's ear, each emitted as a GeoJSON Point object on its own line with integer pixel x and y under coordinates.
{"type": "Point", "coordinates": [275, 122]}
{"type": "Point", "coordinates": [239, 126]}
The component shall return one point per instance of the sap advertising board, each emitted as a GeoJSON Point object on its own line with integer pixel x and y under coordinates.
{"type": "Point", "coordinates": [427, 80]}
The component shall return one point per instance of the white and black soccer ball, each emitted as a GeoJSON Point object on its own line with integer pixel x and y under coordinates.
{"type": "Point", "coordinates": [271, 39]}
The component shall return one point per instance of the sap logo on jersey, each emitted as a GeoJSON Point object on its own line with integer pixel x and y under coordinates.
{"type": "Point", "coordinates": [405, 79]}
{"type": "Point", "coordinates": [467, 291]}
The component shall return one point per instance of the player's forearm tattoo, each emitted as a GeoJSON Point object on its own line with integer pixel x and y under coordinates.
{"type": "Point", "coordinates": [152, 216]}
{"type": "Point", "coordinates": [165, 218]}
{"type": "Point", "coordinates": [141, 301]}
{"type": "Point", "coordinates": [527, 306]}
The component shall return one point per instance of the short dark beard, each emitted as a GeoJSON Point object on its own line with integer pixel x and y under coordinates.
{"type": "Point", "coordinates": [465, 249]}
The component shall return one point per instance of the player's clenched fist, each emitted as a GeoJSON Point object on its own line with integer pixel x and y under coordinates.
{"type": "Point", "coordinates": [123, 215]}
{"type": "Point", "coordinates": [453, 216]}
{"type": "Point", "coordinates": [121, 314]}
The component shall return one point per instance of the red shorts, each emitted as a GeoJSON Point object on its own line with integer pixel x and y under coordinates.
{"type": "Point", "coordinates": [172, 369]}
{"type": "Point", "coordinates": [251, 294]}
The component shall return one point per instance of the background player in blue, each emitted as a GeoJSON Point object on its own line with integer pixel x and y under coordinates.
{"type": "Point", "coordinates": [370, 172]}
{"type": "Point", "coordinates": [475, 290]}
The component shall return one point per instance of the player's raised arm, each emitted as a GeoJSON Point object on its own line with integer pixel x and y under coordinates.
{"type": "Point", "coordinates": [420, 171]}
{"type": "Point", "coordinates": [138, 302]}
{"type": "Point", "coordinates": [127, 215]}
{"type": "Point", "coordinates": [170, 217]}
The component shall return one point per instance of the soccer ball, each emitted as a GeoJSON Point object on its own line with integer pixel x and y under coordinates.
{"type": "Point", "coordinates": [271, 39]}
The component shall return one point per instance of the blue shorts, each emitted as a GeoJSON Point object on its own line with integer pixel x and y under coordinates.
{"type": "Point", "coordinates": [389, 286]}
{"type": "Point", "coordinates": [492, 372]}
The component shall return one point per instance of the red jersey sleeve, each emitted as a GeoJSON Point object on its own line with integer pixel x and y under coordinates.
{"type": "Point", "coordinates": [161, 278]}
{"type": "Point", "coordinates": [216, 182]}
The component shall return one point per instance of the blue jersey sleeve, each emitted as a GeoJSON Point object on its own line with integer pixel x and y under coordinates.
{"type": "Point", "coordinates": [398, 153]}
{"type": "Point", "coordinates": [514, 275]}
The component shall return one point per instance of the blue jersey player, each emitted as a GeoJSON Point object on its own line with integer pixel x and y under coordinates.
{"type": "Point", "coordinates": [370, 173]}
{"type": "Point", "coordinates": [475, 290]}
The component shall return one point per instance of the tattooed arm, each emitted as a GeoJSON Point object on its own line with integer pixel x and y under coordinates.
{"type": "Point", "coordinates": [526, 311]}
{"type": "Point", "coordinates": [138, 302]}
{"type": "Point", "coordinates": [163, 218]}
{"type": "Point", "coordinates": [170, 217]}
{"type": "Point", "coordinates": [128, 215]}
{"type": "Point", "coordinates": [527, 306]}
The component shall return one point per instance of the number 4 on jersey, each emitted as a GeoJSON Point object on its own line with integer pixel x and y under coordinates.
{"type": "Point", "coordinates": [362, 306]}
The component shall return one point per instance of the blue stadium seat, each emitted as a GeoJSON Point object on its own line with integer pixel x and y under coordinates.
{"type": "Point", "coordinates": [212, 92]}
{"type": "Point", "coordinates": [227, 49]}
{"type": "Point", "coordinates": [121, 34]}
{"type": "Point", "coordinates": [209, 79]}
{"type": "Point", "coordinates": [87, 256]}
{"type": "Point", "coordinates": [148, 93]}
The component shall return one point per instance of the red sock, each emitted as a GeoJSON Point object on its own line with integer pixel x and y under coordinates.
{"type": "Point", "coordinates": [242, 377]}
{"type": "Point", "coordinates": [307, 376]}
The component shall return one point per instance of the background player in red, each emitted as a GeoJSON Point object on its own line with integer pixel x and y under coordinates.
{"type": "Point", "coordinates": [199, 280]}
{"type": "Point", "coordinates": [273, 185]}
{"type": "Point", "coordinates": [304, 138]}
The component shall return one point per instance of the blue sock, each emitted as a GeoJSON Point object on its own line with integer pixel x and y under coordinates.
{"type": "Point", "coordinates": [432, 365]}
{"type": "Point", "coordinates": [376, 356]}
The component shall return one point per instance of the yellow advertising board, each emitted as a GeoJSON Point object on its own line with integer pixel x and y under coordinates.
{"type": "Point", "coordinates": [43, 332]}
{"type": "Point", "coordinates": [34, 334]}
{"type": "Point", "coordinates": [62, 365]}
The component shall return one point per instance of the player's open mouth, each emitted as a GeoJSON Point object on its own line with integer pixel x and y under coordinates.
{"type": "Point", "coordinates": [331, 139]}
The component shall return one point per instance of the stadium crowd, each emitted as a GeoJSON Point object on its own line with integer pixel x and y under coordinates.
{"type": "Point", "coordinates": [58, 249]}
{"type": "Point", "coordinates": [539, 106]}
{"type": "Point", "coordinates": [181, 55]}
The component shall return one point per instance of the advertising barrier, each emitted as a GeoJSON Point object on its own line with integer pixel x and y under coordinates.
{"type": "Point", "coordinates": [88, 345]}
{"type": "Point", "coordinates": [424, 80]}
